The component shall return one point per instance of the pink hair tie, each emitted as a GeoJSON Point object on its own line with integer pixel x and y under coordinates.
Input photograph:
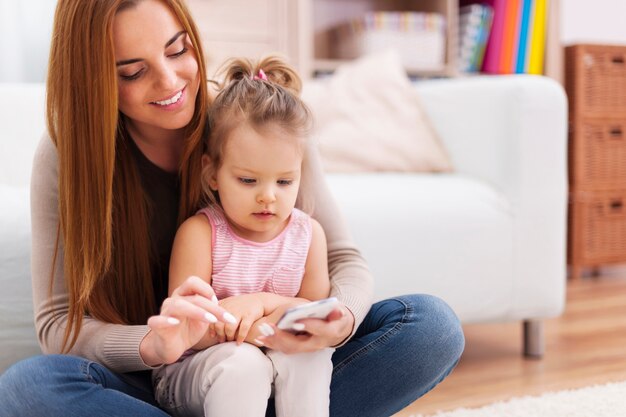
{"type": "Point", "coordinates": [260, 76]}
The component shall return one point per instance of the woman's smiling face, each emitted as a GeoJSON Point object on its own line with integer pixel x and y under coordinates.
{"type": "Point", "coordinates": [157, 67]}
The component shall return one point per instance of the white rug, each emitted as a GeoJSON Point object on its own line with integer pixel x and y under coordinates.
{"type": "Point", "coordinates": [596, 401]}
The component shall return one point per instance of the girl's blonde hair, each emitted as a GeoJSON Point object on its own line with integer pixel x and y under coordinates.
{"type": "Point", "coordinates": [255, 94]}
{"type": "Point", "coordinates": [102, 208]}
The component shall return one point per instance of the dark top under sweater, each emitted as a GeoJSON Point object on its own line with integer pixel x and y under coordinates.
{"type": "Point", "coordinates": [162, 190]}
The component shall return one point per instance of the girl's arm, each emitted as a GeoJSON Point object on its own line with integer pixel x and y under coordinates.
{"type": "Point", "coordinates": [315, 283]}
{"type": "Point", "coordinates": [191, 252]}
{"type": "Point", "coordinates": [191, 256]}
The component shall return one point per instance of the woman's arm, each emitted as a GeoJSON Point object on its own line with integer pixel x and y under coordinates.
{"type": "Point", "coordinates": [121, 348]}
{"type": "Point", "coordinates": [350, 278]}
{"type": "Point", "coordinates": [115, 346]}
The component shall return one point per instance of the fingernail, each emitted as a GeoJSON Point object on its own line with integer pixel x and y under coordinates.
{"type": "Point", "coordinates": [258, 342]}
{"type": "Point", "coordinates": [173, 320]}
{"type": "Point", "coordinates": [266, 329]}
{"type": "Point", "coordinates": [229, 318]}
{"type": "Point", "coordinates": [214, 299]}
{"type": "Point", "coordinates": [210, 318]}
{"type": "Point", "coordinates": [298, 327]}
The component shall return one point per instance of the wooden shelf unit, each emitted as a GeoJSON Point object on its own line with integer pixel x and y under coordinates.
{"type": "Point", "coordinates": [299, 29]}
{"type": "Point", "coordinates": [326, 14]}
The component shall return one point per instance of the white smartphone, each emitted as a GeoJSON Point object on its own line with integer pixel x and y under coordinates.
{"type": "Point", "coordinates": [319, 309]}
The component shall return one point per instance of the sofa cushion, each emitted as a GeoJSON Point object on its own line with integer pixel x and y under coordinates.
{"type": "Point", "coordinates": [368, 117]}
{"type": "Point", "coordinates": [17, 332]}
{"type": "Point", "coordinates": [448, 235]}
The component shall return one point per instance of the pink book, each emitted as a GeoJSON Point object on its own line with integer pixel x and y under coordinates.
{"type": "Point", "coordinates": [493, 51]}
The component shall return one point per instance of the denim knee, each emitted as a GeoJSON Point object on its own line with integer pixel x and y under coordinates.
{"type": "Point", "coordinates": [29, 374]}
{"type": "Point", "coordinates": [25, 382]}
{"type": "Point", "coordinates": [433, 320]}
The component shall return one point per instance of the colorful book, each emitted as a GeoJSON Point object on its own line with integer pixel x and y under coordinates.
{"type": "Point", "coordinates": [538, 38]}
{"type": "Point", "coordinates": [517, 39]}
{"type": "Point", "coordinates": [474, 27]}
{"type": "Point", "coordinates": [485, 29]}
{"type": "Point", "coordinates": [520, 65]}
{"type": "Point", "coordinates": [491, 61]}
{"type": "Point", "coordinates": [509, 49]}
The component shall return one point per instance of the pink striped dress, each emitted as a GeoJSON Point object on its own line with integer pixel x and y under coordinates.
{"type": "Point", "coordinates": [241, 266]}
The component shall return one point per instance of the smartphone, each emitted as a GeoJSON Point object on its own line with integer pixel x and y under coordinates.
{"type": "Point", "coordinates": [316, 309]}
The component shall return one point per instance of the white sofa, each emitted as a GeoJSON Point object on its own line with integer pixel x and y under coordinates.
{"type": "Point", "coordinates": [489, 238]}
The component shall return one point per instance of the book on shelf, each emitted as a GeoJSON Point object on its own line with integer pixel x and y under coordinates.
{"type": "Point", "coordinates": [474, 28]}
{"type": "Point", "coordinates": [493, 51]}
{"type": "Point", "coordinates": [538, 39]}
{"type": "Point", "coordinates": [524, 38]}
{"type": "Point", "coordinates": [517, 39]}
{"type": "Point", "coordinates": [509, 37]}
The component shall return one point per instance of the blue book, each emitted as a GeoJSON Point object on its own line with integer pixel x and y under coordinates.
{"type": "Point", "coordinates": [474, 27]}
{"type": "Point", "coordinates": [485, 30]}
{"type": "Point", "coordinates": [523, 36]}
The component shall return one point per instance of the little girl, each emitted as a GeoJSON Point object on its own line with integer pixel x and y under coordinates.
{"type": "Point", "coordinates": [260, 254]}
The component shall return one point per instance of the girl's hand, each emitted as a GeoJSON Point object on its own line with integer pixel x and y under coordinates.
{"type": "Point", "coordinates": [318, 334]}
{"type": "Point", "coordinates": [184, 319]}
{"type": "Point", "coordinates": [247, 309]}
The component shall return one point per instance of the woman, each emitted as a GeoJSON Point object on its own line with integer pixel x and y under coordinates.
{"type": "Point", "coordinates": [127, 103]}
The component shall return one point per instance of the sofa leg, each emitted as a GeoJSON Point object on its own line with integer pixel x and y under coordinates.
{"type": "Point", "coordinates": [534, 344]}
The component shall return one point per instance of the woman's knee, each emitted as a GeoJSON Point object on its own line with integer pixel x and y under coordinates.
{"type": "Point", "coordinates": [434, 320]}
{"type": "Point", "coordinates": [37, 378]}
{"type": "Point", "coordinates": [32, 373]}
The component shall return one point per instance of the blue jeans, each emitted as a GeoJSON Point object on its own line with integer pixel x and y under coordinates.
{"type": "Point", "coordinates": [404, 347]}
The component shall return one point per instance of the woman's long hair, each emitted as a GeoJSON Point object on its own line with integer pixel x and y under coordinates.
{"type": "Point", "coordinates": [102, 208]}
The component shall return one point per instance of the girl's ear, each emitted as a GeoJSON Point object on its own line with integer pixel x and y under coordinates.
{"type": "Point", "coordinates": [207, 169]}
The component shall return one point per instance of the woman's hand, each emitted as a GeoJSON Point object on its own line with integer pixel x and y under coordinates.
{"type": "Point", "coordinates": [184, 319]}
{"type": "Point", "coordinates": [318, 334]}
{"type": "Point", "coordinates": [247, 309]}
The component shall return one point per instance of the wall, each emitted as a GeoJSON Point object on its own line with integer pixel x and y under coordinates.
{"type": "Point", "coordinates": [25, 30]}
{"type": "Point", "coordinates": [593, 21]}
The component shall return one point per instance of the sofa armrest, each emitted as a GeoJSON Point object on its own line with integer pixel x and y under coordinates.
{"type": "Point", "coordinates": [511, 132]}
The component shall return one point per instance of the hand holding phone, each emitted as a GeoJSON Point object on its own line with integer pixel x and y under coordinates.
{"type": "Point", "coordinates": [316, 309]}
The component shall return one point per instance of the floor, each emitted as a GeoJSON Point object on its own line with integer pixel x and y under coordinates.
{"type": "Point", "coordinates": [584, 346]}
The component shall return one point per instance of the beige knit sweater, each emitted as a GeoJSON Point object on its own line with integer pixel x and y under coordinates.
{"type": "Point", "coordinates": [117, 346]}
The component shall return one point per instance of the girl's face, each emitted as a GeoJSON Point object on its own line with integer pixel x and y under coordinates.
{"type": "Point", "coordinates": [258, 181]}
{"type": "Point", "coordinates": [157, 68]}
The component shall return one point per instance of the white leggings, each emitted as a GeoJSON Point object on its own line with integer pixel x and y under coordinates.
{"type": "Point", "coordinates": [237, 381]}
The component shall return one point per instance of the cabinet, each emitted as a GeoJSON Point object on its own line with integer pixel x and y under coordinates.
{"type": "Point", "coordinates": [250, 28]}
{"type": "Point", "coordinates": [595, 81]}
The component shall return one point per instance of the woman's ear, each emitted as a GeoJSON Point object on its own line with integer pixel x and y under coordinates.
{"type": "Point", "coordinates": [207, 169]}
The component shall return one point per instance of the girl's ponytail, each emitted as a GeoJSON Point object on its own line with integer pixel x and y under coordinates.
{"type": "Point", "coordinates": [273, 67]}
{"type": "Point", "coordinates": [278, 71]}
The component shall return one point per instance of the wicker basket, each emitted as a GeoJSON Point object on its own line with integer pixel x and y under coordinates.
{"type": "Point", "coordinates": [597, 153]}
{"type": "Point", "coordinates": [597, 227]}
{"type": "Point", "coordinates": [595, 79]}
